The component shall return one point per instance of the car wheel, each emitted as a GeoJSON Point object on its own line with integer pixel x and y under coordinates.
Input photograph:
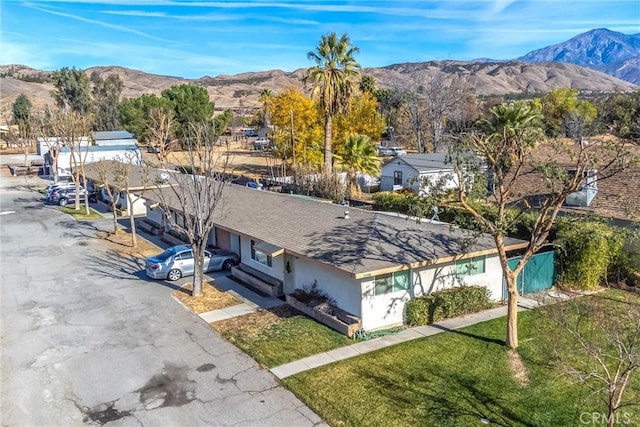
{"type": "Point", "coordinates": [62, 202]}
{"type": "Point", "coordinates": [227, 264]}
{"type": "Point", "coordinates": [174, 274]}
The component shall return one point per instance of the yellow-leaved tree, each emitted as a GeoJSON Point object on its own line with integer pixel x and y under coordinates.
{"type": "Point", "coordinates": [361, 117]}
{"type": "Point", "coordinates": [298, 127]}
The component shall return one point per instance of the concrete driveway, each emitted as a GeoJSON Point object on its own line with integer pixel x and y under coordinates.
{"type": "Point", "coordinates": [86, 338]}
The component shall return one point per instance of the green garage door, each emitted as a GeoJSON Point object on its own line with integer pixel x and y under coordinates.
{"type": "Point", "coordinates": [537, 275]}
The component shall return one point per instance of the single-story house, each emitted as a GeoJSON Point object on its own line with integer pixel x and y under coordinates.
{"type": "Point", "coordinates": [136, 185]}
{"type": "Point", "coordinates": [615, 196]}
{"type": "Point", "coordinates": [114, 137]}
{"type": "Point", "coordinates": [369, 263]}
{"type": "Point", "coordinates": [412, 170]}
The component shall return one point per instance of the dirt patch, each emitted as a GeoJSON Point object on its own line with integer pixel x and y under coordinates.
{"type": "Point", "coordinates": [210, 299]}
{"type": "Point", "coordinates": [517, 368]}
{"type": "Point", "coordinates": [121, 243]}
{"type": "Point", "coordinates": [253, 323]}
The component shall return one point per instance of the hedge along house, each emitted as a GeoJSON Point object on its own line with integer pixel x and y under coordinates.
{"type": "Point", "coordinates": [369, 263]}
{"type": "Point", "coordinates": [413, 170]}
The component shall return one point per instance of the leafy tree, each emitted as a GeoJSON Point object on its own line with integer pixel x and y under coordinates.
{"type": "Point", "coordinates": [106, 97]}
{"type": "Point", "coordinates": [360, 155]}
{"type": "Point", "coordinates": [502, 149]}
{"type": "Point", "coordinates": [223, 121]}
{"type": "Point", "coordinates": [197, 199]}
{"type": "Point", "coordinates": [297, 127]}
{"type": "Point", "coordinates": [72, 90]}
{"type": "Point", "coordinates": [334, 78]}
{"type": "Point", "coordinates": [621, 114]}
{"type": "Point", "coordinates": [21, 109]}
{"type": "Point", "coordinates": [368, 84]}
{"type": "Point", "coordinates": [134, 113]}
{"type": "Point", "coordinates": [362, 117]}
{"type": "Point", "coordinates": [191, 104]}
{"type": "Point", "coordinates": [561, 106]}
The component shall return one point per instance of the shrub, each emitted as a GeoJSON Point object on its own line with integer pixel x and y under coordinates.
{"type": "Point", "coordinates": [446, 304]}
{"type": "Point", "coordinates": [394, 202]}
{"type": "Point", "coordinates": [586, 251]}
{"type": "Point", "coordinates": [626, 266]}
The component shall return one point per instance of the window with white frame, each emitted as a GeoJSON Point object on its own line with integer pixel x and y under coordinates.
{"type": "Point", "coordinates": [392, 282]}
{"type": "Point", "coordinates": [258, 256]}
{"type": "Point", "coordinates": [397, 177]}
{"type": "Point", "coordinates": [470, 266]}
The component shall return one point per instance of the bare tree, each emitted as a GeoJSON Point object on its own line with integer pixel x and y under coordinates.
{"type": "Point", "coordinates": [604, 341]}
{"type": "Point", "coordinates": [444, 98]}
{"type": "Point", "coordinates": [113, 175]}
{"type": "Point", "coordinates": [72, 130]}
{"type": "Point", "coordinates": [160, 132]}
{"type": "Point", "coordinates": [197, 196]}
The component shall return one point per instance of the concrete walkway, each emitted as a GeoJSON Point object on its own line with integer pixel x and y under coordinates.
{"type": "Point", "coordinates": [293, 368]}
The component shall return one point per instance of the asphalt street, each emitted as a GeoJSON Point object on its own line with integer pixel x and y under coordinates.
{"type": "Point", "coordinates": [88, 339]}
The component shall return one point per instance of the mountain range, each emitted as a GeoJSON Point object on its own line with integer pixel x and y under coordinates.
{"type": "Point", "coordinates": [611, 52]}
{"type": "Point", "coordinates": [599, 60]}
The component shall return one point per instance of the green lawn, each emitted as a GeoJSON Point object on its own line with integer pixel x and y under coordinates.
{"type": "Point", "coordinates": [80, 214]}
{"type": "Point", "coordinates": [290, 338]}
{"type": "Point", "coordinates": [453, 379]}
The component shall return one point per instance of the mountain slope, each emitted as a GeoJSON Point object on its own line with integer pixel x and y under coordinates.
{"type": "Point", "coordinates": [243, 90]}
{"type": "Point", "coordinates": [601, 49]}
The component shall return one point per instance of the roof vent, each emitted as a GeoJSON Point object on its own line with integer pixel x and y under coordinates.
{"type": "Point", "coordinates": [346, 214]}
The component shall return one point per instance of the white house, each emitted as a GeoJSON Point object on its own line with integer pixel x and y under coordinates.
{"type": "Point", "coordinates": [130, 154]}
{"type": "Point", "coordinates": [370, 263]}
{"type": "Point", "coordinates": [412, 170]}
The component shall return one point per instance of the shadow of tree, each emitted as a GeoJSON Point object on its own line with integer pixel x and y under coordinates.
{"type": "Point", "coordinates": [465, 401]}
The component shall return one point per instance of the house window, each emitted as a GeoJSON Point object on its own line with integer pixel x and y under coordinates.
{"type": "Point", "coordinates": [179, 220]}
{"type": "Point", "coordinates": [393, 282]}
{"type": "Point", "coordinates": [258, 256]}
{"type": "Point", "coordinates": [397, 177]}
{"type": "Point", "coordinates": [470, 266]}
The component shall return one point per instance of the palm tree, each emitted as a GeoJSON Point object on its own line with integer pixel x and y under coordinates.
{"type": "Point", "coordinates": [266, 98]}
{"type": "Point", "coordinates": [335, 77]}
{"type": "Point", "coordinates": [360, 155]}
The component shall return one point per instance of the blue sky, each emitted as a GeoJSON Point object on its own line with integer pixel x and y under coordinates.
{"type": "Point", "coordinates": [196, 38]}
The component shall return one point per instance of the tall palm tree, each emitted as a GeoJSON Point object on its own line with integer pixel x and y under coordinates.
{"type": "Point", "coordinates": [360, 155]}
{"type": "Point", "coordinates": [335, 77]}
{"type": "Point", "coordinates": [266, 98]}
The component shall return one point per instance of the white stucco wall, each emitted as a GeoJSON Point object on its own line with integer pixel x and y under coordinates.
{"type": "Point", "coordinates": [381, 311]}
{"type": "Point", "coordinates": [429, 280]}
{"type": "Point", "coordinates": [277, 264]}
{"type": "Point", "coordinates": [337, 284]}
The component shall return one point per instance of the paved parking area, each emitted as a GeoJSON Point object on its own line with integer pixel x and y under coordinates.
{"type": "Point", "coordinates": [87, 338]}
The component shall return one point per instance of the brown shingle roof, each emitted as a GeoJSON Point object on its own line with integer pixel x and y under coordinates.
{"type": "Point", "coordinates": [618, 196]}
{"type": "Point", "coordinates": [366, 242]}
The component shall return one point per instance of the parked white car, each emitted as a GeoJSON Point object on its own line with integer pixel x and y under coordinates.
{"type": "Point", "coordinates": [391, 151]}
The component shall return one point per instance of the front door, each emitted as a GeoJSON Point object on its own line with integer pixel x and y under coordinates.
{"type": "Point", "coordinates": [223, 239]}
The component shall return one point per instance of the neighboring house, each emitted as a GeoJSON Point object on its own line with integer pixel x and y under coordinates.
{"type": "Point", "coordinates": [412, 170]}
{"type": "Point", "coordinates": [615, 197]}
{"type": "Point", "coordinates": [96, 153]}
{"type": "Point", "coordinates": [370, 263]}
{"type": "Point", "coordinates": [114, 137]}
